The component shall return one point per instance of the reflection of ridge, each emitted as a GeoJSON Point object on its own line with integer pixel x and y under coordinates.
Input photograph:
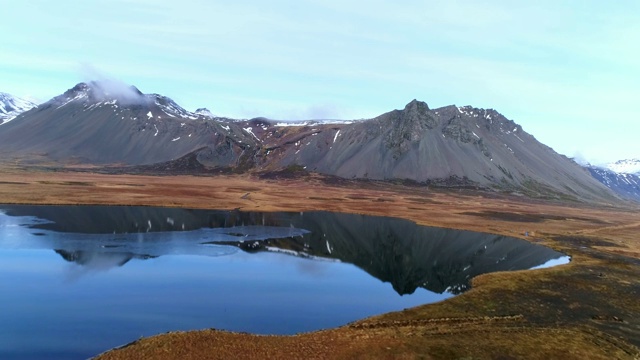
{"type": "Point", "coordinates": [405, 254]}
{"type": "Point", "coordinates": [98, 260]}
{"type": "Point", "coordinates": [393, 250]}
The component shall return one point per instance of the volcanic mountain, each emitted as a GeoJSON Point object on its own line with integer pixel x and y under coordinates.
{"type": "Point", "coordinates": [11, 107]}
{"type": "Point", "coordinates": [89, 124]}
{"type": "Point", "coordinates": [449, 146]}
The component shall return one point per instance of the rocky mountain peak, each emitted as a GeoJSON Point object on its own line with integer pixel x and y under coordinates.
{"type": "Point", "coordinates": [171, 108]}
{"type": "Point", "coordinates": [491, 119]}
{"type": "Point", "coordinates": [416, 114]}
{"type": "Point", "coordinates": [416, 106]}
{"type": "Point", "coordinates": [79, 88]}
{"type": "Point", "coordinates": [118, 97]}
{"type": "Point", "coordinates": [204, 112]}
{"type": "Point", "coordinates": [408, 126]}
{"type": "Point", "coordinates": [103, 90]}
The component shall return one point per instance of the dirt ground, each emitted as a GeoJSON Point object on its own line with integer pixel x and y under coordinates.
{"type": "Point", "coordinates": [589, 308]}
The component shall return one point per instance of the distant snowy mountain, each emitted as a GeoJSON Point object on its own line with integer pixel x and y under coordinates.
{"type": "Point", "coordinates": [628, 166]}
{"type": "Point", "coordinates": [622, 182]}
{"type": "Point", "coordinates": [11, 107]}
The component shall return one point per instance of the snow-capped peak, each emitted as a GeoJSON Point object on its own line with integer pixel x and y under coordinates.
{"type": "Point", "coordinates": [11, 107]}
{"type": "Point", "coordinates": [106, 90]}
{"type": "Point", "coordinates": [627, 166]}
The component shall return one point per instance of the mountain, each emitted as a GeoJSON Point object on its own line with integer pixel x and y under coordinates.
{"type": "Point", "coordinates": [103, 124]}
{"type": "Point", "coordinates": [625, 182]}
{"type": "Point", "coordinates": [11, 107]}
{"type": "Point", "coordinates": [447, 146]}
{"type": "Point", "coordinates": [628, 166]}
{"type": "Point", "coordinates": [94, 123]}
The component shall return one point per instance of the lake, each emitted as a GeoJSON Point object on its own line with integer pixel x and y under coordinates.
{"type": "Point", "coordinates": [78, 280]}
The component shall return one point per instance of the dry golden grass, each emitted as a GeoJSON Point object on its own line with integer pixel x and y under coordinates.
{"type": "Point", "coordinates": [587, 309]}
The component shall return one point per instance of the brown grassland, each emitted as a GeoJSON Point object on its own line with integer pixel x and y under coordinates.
{"type": "Point", "coordinates": [588, 309]}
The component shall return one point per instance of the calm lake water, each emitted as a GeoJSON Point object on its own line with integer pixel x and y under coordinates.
{"type": "Point", "coordinates": [78, 280]}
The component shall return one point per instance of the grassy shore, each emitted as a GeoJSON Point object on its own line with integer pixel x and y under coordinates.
{"type": "Point", "coordinates": [589, 308]}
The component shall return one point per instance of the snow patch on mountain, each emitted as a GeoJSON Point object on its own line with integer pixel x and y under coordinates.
{"type": "Point", "coordinates": [78, 96]}
{"type": "Point", "coordinates": [171, 108]}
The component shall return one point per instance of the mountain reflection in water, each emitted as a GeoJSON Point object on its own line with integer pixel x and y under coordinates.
{"type": "Point", "coordinates": [393, 250]}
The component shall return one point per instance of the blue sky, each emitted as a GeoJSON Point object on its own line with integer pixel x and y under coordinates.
{"type": "Point", "coordinates": [567, 71]}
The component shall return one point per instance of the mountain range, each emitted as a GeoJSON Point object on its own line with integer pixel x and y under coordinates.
{"type": "Point", "coordinates": [99, 124]}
